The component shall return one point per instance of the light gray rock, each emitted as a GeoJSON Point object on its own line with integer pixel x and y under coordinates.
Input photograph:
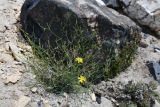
{"type": "Point", "coordinates": [14, 78]}
{"type": "Point", "coordinates": [157, 104]}
{"type": "Point", "coordinates": [23, 101]}
{"type": "Point", "coordinates": [34, 89]}
{"type": "Point", "coordinates": [157, 49]}
{"type": "Point", "coordinates": [7, 103]}
{"type": "Point", "coordinates": [105, 103]}
{"type": "Point", "coordinates": [16, 53]}
{"type": "Point", "coordinates": [145, 12]}
{"type": "Point", "coordinates": [4, 58]}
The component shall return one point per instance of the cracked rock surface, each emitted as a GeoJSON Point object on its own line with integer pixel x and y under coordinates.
{"type": "Point", "coordinates": [145, 12]}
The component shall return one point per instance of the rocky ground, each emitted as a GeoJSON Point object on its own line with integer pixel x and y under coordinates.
{"type": "Point", "coordinates": [18, 87]}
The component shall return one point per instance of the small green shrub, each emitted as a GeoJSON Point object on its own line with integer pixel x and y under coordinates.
{"type": "Point", "coordinates": [142, 95]}
{"type": "Point", "coordinates": [55, 63]}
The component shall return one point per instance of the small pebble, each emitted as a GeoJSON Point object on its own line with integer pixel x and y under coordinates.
{"type": "Point", "coordinates": [34, 89]}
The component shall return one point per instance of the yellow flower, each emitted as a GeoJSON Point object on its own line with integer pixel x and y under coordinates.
{"type": "Point", "coordinates": [82, 79]}
{"type": "Point", "coordinates": [79, 60]}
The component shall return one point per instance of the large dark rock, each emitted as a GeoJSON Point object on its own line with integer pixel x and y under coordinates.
{"type": "Point", "coordinates": [39, 15]}
{"type": "Point", "coordinates": [154, 68]}
{"type": "Point", "coordinates": [49, 20]}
